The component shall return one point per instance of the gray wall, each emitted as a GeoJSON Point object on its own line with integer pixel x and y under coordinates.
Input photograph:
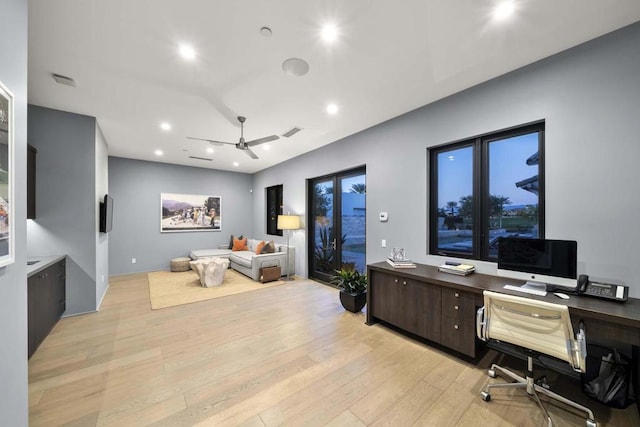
{"type": "Point", "coordinates": [13, 278]}
{"type": "Point", "coordinates": [136, 186]}
{"type": "Point", "coordinates": [102, 239]}
{"type": "Point", "coordinates": [66, 202]}
{"type": "Point", "coordinates": [590, 99]}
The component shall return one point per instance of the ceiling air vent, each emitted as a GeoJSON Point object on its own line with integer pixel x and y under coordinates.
{"type": "Point", "coordinates": [63, 80]}
{"type": "Point", "coordinates": [291, 132]}
{"type": "Point", "coordinates": [200, 158]}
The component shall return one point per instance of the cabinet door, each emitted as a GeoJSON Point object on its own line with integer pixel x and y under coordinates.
{"type": "Point", "coordinates": [458, 321]}
{"type": "Point", "coordinates": [386, 298]}
{"type": "Point", "coordinates": [422, 309]}
{"type": "Point", "coordinates": [31, 182]}
{"type": "Point", "coordinates": [59, 284]}
{"type": "Point", "coordinates": [32, 318]}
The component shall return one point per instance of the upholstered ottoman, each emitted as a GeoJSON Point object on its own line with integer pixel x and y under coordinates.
{"type": "Point", "coordinates": [180, 264]}
{"type": "Point", "coordinates": [210, 270]}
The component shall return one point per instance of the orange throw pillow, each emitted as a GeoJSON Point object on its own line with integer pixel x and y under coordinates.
{"type": "Point", "coordinates": [259, 248]}
{"type": "Point", "coordinates": [240, 244]}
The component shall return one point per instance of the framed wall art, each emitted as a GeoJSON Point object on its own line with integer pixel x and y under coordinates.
{"type": "Point", "coordinates": [7, 203]}
{"type": "Point", "coordinates": [190, 212]}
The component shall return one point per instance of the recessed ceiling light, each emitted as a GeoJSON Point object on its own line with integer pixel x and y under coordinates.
{"type": "Point", "coordinates": [332, 109]}
{"type": "Point", "coordinates": [503, 10]}
{"type": "Point", "coordinates": [159, 152]}
{"type": "Point", "coordinates": [165, 126]}
{"type": "Point", "coordinates": [187, 52]}
{"type": "Point", "coordinates": [236, 164]}
{"type": "Point", "coordinates": [295, 67]}
{"type": "Point", "coordinates": [329, 33]}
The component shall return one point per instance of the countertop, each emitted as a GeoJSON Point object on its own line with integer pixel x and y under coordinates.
{"type": "Point", "coordinates": [43, 262]}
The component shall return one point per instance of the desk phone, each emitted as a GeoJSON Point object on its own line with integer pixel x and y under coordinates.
{"type": "Point", "coordinates": [601, 290]}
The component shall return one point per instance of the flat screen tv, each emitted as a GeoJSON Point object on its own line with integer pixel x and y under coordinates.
{"type": "Point", "coordinates": [553, 263]}
{"type": "Point", "coordinates": [106, 214]}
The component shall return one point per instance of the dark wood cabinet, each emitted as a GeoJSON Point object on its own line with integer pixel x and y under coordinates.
{"type": "Point", "coordinates": [427, 309]}
{"type": "Point", "coordinates": [46, 295]}
{"type": "Point", "coordinates": [458, 320]}
{"type": "Point", "coordinates": [31, 182]}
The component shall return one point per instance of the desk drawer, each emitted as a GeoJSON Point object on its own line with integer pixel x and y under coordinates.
{"type": "Point", "coordinates": [458, 321]}
{"type": "Point", "coordinates": [457, 305]}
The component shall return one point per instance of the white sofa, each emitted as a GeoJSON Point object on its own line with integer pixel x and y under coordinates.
{"type": "Point", "coordinates": [248, 262]}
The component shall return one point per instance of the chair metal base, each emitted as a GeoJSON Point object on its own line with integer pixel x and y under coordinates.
{"type": "Point", "coordinates": [533, 390]}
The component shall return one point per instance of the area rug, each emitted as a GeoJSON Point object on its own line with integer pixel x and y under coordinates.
{"type": "Point", "coordinates": [168, 289]}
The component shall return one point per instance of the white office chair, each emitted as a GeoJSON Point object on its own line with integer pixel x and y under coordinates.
{"type": "Point", "coordinates": [538, 327]}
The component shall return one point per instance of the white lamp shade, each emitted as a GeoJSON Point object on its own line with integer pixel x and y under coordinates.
{"type": "Point", "coordinates": [288, 222]}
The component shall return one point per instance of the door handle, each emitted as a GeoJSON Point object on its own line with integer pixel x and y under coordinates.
{"type": "Point", "coordinates": [333, 244]}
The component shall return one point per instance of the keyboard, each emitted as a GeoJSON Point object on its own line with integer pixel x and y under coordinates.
{"type": "Point", "coordinates": [525, 290]}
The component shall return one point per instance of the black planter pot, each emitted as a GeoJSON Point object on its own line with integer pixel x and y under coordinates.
{"type": "Point", "coordinates": [353, 302]}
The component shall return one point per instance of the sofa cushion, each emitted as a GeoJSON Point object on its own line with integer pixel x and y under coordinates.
{"type": "Point", "coordinates": [252, 244]}
{"type": "Point", "coordinates": [207, 253]}
{"type": "Point", "coordinates": [239, 245]}
{"type": "Point", "coordinates": [231, 240]}
{"type": "Point", "coordinates": [259, 248]}
{"type": "Point", "coordinates": [243, 258]}
{"type": "Point", "coordinates": [269, 248]}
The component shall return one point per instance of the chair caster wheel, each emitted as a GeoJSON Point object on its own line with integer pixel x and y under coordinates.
{"type": "Point", "coordinates": [491, 373]}
{"type": "Point", "coordinates": [485, 396]}
{"type": "Point", "coordinates": [591, 423]}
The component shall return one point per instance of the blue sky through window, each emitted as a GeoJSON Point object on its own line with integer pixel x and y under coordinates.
{"type": "Point", "coordinates": [507, 159]}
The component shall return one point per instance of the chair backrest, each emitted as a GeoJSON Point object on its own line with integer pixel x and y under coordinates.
{"type": "Point", "coordinates": [533, 324]}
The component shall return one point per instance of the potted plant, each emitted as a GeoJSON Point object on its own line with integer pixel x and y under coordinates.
{"type": "Point", "coordinates": [353, 288]}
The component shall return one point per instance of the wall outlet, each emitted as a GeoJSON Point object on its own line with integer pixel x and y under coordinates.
{"type": "Point", "coordinates": [133, 260]}
{"type": "Point", "coordinates": [383, 243]}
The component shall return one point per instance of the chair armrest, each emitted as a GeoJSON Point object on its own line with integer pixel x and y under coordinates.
{"type": "Point", "coordinates": [223, 247]}
{"type": "Point", "coordinates": [481, 324]}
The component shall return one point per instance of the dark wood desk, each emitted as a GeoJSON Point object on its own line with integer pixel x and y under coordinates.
{"type": "Point", "coordinates": [441, 307]}
{"type": "Point", "coordinates": [606, 319]}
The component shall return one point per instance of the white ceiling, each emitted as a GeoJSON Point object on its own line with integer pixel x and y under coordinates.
{"type": "Point", "coordinates": [390, 57]}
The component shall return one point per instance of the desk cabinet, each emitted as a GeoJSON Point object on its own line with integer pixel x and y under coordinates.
{"type": "Point", "coordinates": [408, 304]}
{"type": "Point", "coordinates": [440, 314]}
{"type": "Point", "coordinates": [46, 299]}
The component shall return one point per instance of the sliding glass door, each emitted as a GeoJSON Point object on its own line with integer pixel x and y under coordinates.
{"type": "Point", "coordinates": [337, 218]}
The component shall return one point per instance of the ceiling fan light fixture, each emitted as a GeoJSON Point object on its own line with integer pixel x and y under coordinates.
{"type": "Point", "coordinates": [295, 67]}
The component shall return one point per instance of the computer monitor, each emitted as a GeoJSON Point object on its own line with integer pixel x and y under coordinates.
{"type": "Point", "coordinates": [552, 263]}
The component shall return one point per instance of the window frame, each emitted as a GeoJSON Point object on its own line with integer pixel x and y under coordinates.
{"type": "Point", "coordinates": [273, 201]}
{"type": "Point", "coordinates": [480, 187]}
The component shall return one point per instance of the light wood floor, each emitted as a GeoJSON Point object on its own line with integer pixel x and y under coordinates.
{"type": "Point", "coordinates": [287, 355]}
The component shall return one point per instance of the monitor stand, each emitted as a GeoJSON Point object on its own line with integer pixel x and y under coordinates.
{"type": "Point", "coordinates": [537, 286]}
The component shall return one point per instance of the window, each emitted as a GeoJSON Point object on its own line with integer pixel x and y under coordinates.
{"type": "Point", "coordinates": [484, 188]}
{"type": "Point", "coordinates": [274, 208]}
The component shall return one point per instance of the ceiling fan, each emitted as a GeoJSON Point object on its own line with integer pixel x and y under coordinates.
{"type": "Point", "coordinates": [241, 144]}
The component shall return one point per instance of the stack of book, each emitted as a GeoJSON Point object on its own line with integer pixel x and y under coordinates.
{"type": "Point", "coordinates": [404, 263]}
{"type": "Point", "coordinates": [459, 269]}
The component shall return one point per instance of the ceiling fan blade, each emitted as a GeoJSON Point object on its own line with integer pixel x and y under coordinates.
{"type": "Point", "coordinates": [211, 141]}
{"type": "Point", "coordinates": [250, 153]}
{"type": "Point", "coordinates": [258, 141]}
